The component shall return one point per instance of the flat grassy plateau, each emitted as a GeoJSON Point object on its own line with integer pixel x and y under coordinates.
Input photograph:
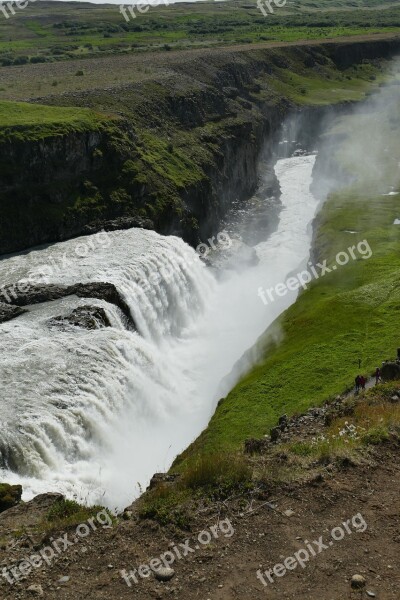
{"type": "Point", "coordinates": [54, 31]}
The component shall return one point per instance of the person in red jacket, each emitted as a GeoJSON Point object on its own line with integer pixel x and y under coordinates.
{"type": "Point", "coordinates": [377, 375]}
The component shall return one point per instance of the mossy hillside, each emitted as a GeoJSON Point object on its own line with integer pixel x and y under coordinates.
{"type": "Point", "coordinates": [317, 77]}
{"type": "Point", "coordinates": [350, 435]}
{"type": "Point", "coordinates": [323, 336]}
{"type": "Point", "coordinates": [306, 87]}
{"type": "Point", "coordinates": [147, 172]}
{"type": "Point", "coordinates": [165, 167]}
{"type": "Point", "coordinates": [311, 353]}
{"type": "Point", "coordinates": [172, 159]}
{"type": "Point", "coordinates": [21, 121]}
{"type": "Point", "coordinates": [164, 170]}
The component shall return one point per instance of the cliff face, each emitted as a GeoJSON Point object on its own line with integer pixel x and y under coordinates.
{"type": "Point", "coordinates": [176, 152]}
{"type": "Point", "coordinates": [37, 179]}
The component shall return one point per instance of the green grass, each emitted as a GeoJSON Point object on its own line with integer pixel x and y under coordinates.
{"type": "Point", "coordinates": [207, 479]}
{"type": "Point", "coordinates": [69, 510]}
{"type": "Point", "coordinates": [65, 514]}
{"type": "Point", "coordinates": [353, 429]}
{"type": "Point", "coordinates": [350, 314]}
{"type": "Point", "coordinates": [306, 87]}
{"type": "Point", "coordinates": [78, 30]}
{"type": "Point", "coordinates": [169, 161]}
{"type": "Point", "coordinates": [371, 419]}
{"type": "Point", "coordinates": [20, 120]}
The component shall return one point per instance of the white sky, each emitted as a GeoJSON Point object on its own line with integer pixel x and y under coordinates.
{"type": "Point", "coordinates": [151, 2]}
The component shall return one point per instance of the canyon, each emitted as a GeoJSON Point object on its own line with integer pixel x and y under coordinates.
{"type": "Point", "coordinates": [173, 152]}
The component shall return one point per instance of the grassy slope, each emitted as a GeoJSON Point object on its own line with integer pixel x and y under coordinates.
{"type": "Point", "coordinates": [347, 315]}
{"type": "Point", "coordinates": [329, 86]}
{"type": "Point", "coordinates": [20, 120]}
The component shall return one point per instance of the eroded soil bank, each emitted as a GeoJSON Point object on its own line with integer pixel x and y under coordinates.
{"type": "Point", "coordinates": [256, 530]}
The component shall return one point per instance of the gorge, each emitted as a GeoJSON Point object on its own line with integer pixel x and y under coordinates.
{"type": "Point", "coordinates": [88, 400]}
{"type": "Point", "coordinates": [135, 394]}
{"type": "Point", "coordinates": [170, 153]}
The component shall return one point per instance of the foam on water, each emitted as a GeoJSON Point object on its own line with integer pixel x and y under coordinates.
{"type": "Point", "coordinates": [93, 412]}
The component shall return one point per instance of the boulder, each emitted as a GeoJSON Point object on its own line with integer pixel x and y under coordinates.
{"type": "Point", "coordinates": [9, 311]}
{"type": "Point", "coordinates": [161, 478]}
{"type": "Point", "coordinates": [36, 589]}
{"type": "Point", "coordinates": [283, 422]}
{"type": "Point", "coordinates": [255, 446]}
{"type": "Point", "coordinates": [275, 434]}
{"type": "Point", "coordinates": [86, 317]}
{"type": "Point", "coordinates": [390, 371]}
{"type": "Point", "coordinates": [164, 573]}
{"type": "Point", "coordinates": [10, 495]}
{"type": "Point", "coordinates": [358, 582]}
{"type": "Point", "coordinates": [97, 289]}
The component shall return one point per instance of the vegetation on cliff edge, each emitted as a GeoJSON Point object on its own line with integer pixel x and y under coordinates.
{"type": "Point", "coordinates": [349, 314]}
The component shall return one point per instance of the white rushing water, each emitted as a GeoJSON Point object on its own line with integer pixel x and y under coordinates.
{"type": "Point", "coordinates": [93, 412]}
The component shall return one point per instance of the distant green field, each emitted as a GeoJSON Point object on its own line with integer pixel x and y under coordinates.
{"type": "Point", "coordinates": [350, 314]}
{"type": "Point", "coordinates": [34, 121]}
{"type": "Point", "coordinates": [52, 31]}
{"type": "Point", "coordinates": [306, 87]}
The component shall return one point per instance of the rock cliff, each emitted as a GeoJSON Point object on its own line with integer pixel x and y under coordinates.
{"type": "Point", "coordinates": [174, 152]}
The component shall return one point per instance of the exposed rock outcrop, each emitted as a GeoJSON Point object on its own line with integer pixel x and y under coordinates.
{"type": "Point", "coordinates": [9, 311]}
{"type": "Point", "coordinates": [86, 317]}
{"type": "Point", "coordinates": [390, 371]}
{"type": "Point", "coordinates": [162, 478]}
{"type": "Point", "coordinates": [118, 223]}
{"type": "Point", "coordinates": [98, 290]}
{"type": "Point", "coordinates": [10, 495]}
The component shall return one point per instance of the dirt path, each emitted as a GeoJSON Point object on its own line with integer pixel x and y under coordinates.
{"type": "Point", "coordinates": [227, 569]}
{"type": "Point", "coordinates": [349, 516]}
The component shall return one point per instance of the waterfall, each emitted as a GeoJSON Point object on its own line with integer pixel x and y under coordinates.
{"type": "Point", "coordinates": [93, 412]}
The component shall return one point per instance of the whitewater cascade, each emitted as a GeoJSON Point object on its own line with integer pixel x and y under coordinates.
{"type": "Point", "coordinates": [91, 413]}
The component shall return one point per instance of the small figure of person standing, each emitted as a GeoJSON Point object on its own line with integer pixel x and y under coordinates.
{"type": "Point", "coordinates": [358, 382]}
{"type": "Point", "coordinates": [363, 381]}
{"type": "Point", "coordinates": [377, 375]}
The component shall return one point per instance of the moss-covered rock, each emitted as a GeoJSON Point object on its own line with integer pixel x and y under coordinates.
{"type": "Point", "coordinates": [390, 371]}
{"type": "Point", "coordinates": [10, 495]}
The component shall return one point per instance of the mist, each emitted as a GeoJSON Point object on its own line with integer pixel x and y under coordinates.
{"type": "Point", "coordinates": [358, 148]}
